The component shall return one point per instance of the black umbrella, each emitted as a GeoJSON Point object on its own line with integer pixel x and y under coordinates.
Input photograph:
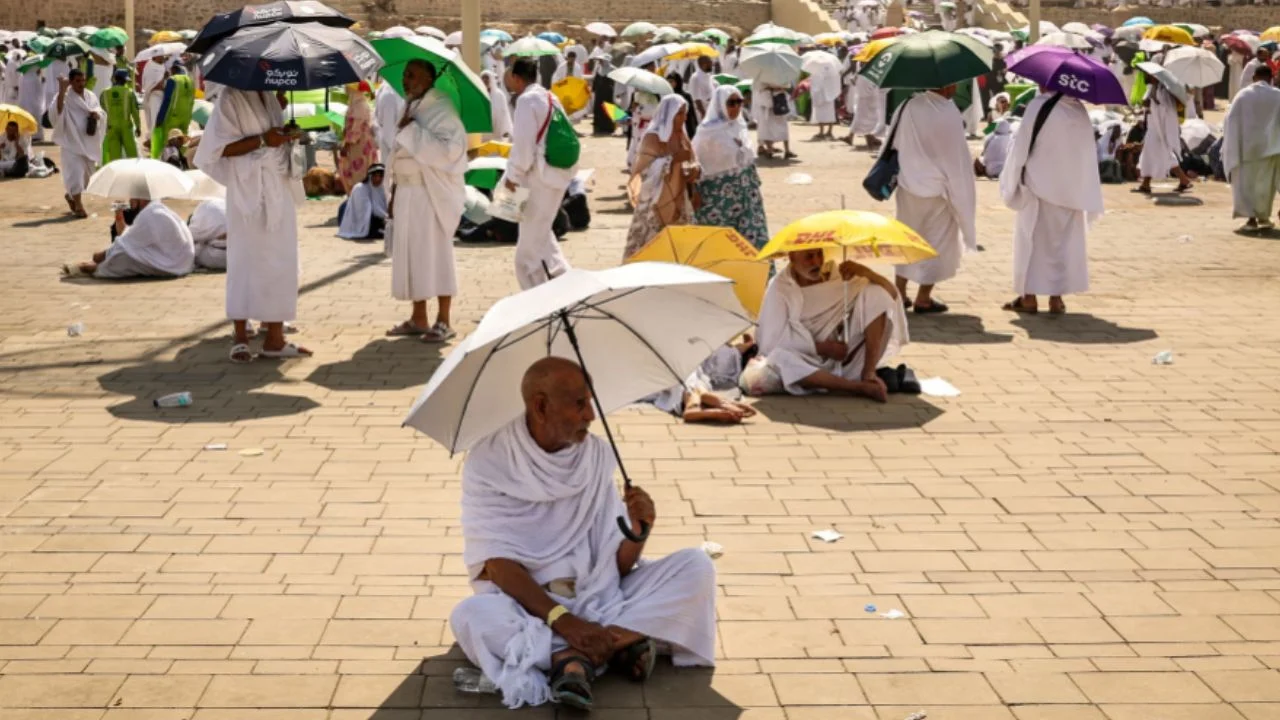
{"type": "Point", "coordinates": [283, 56]}
{"type": "Point", "coordinates": [289, 11]}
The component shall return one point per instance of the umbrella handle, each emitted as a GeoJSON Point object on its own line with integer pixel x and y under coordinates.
{"type": "Point", "coordinates": [626, 530]}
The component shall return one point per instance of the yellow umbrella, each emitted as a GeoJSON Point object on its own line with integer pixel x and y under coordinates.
{"type": "Point", "coordinates": [573, 92]}
{"type": "Point", "coordinates": [862, 236]}
{"type": "Point", "coordinates": [1169, 34]}
{"type": "Point", "coordinates": [1271, 34]}
{"type": "Point", "coordinates": [13, 113]}
{"type": "Point", "coordinates": [872, 48]}
{"type": "Point", "coordinates": [164, 36]}
{"type": "Point", "coordinates": [493, 148]}
{"type": "Point", "coordinates": [829, 39]}
{"type": "Point", "coordinates": [720, 250]}
{"type": "Point", "coordinates": [689, 51]}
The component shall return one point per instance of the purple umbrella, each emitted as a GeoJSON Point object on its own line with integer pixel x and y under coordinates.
{"type": "Point", "coordinates": [1103, 30]}
{"type": "Point", "coordinates": [1059, 69]}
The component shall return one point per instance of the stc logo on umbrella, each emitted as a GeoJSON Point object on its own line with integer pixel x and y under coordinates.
{"type": "Point", "coordinates": [1071, 82]}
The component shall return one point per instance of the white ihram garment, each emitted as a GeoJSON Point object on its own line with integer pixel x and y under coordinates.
{"type": "Point", "coordinates": [262, 215]}
{"type": "Point", "coordinates": [769, 127]}
{"type": "Point", "coordinates": [9, 90]}
{"type": "Point", "coordinates": [429, 164]}
{"type": "Point", "coordinates": [1162, 145]}
{"type": "Point", "coordinates": [1251, 150]}
{"type": "Point", "coordinates": [208, 225]}
{"type": "Point", "coordinates": [868, 107]}
{"type": "Point", "coordinates": [936, 195]}
{"type": "Point", "coordinates": [81, 151]}
{"type": "Point", "coordinates": [365, 203]}
{"type": "Point", "coordinates": [157, 244]}
{"type": "Point", "coordinates": [995, 151]}
{"type": "Point", "coordinates": [793, 319]}
{"type": "Point", "coordinates": [31, 98]}
{"type": "Point", "coordinates": [388, 108]}
{"type": "Point", "coordinates": [824, 90]}
{"type": "Point", "coordinates": [1057, 198]}
{"type": "Point", "coordinates": [153, 80]}
{"type": "Point", "coordinates": [527, 167]}
{"type": "Point", "coordinates": [554, 514]}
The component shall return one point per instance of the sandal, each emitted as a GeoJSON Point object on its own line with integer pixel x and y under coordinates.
{"type": "Point", "coordinates": [290, 350]}
{"type": "Point", "coordinates": [1016, 306]}
{"type": "Point", "coordinates": [73, 270]}
{"type": "Point", "coordinates": [240, 354]}
{"type": "Point", "coordinates": [572, 687]}
{"type": "Point", "coordinates": [438, 333]}
{"type": "Point", "coordinates": [407, 329]}
{"type": "Point", "coordinates": [1183, 187]}
{"type": "Point", "coordinates": [1059, 310]}
{"type": "Point", "coordinates": [1140, 189]}
{"type": "Point", "coordinates": [932, 308]}
{"type": "Point", "coordinates": [636, 660]}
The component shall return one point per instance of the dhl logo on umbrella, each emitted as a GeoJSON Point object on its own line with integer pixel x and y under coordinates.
{"type": "Point", "coordinates": [813, 238]}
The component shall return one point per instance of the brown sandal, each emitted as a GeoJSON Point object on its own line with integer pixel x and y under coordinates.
{"type": "Point", "coordinates": [1016, 305]}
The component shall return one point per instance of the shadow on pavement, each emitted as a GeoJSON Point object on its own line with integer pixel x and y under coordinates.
{"type": "Point", "coordinates": [428, 694]}
{"type": "Point", "coordinates": [384, 364]}
{"type": "Point", "coordinates": [848, 414]}
{"type": "Point", "coordinates": [57, 220]}
{"type": "Point", "coordinates": [951, 329]}
{"type": "Point", "coordinates": [221, 391]}
{"type": "Point", "coordinates": [1080, 329]}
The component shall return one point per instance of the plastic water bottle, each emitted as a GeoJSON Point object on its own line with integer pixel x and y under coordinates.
{"type": "Point", "coordinates": [182, 399]}
{"type": "Point", "coordinates": [471, 680]}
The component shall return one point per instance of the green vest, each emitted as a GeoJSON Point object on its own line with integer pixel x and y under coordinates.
{"type": "Point", "coordinates": [121, 106]}
{"type": "Point", "coordinates": [180, 105]}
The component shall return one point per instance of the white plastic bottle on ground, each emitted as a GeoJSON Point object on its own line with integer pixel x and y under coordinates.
{"type": "Point", "coordinates": [182, 399]}
{"type": "Point", "coordinates": [471, 680]}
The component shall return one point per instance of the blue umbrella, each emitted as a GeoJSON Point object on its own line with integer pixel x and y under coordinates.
{"type": "Point", "coordinates": [495, 33]}
{"type": "Point", "coordinates": [552, 37]}
{"type": "Point", "coordinates": [284, 56]}
{"type": "Point", "coordinates": [1140, 20]}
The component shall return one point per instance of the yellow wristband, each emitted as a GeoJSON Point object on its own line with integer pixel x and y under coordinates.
{"type": "Point", "coordinates": [556, 613]}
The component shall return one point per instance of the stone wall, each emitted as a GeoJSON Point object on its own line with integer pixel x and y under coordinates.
{"type": "Point", "coordinates": [1258, 17]}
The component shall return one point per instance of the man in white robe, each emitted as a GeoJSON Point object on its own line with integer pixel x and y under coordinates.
{"type": "Point", "coordinates": [1235, 73]}
{"type": "Point", "coordinates": [78, 125]}
{"type": "Point", "coordinates": [827, 329]}
{"type": "Point", "coordinates": [15, 152]}
{"type": "Point", "coordinates": [702, 87]}
{"type": "Point", "coordinates": [388, 108]}
{"type": "Point", "coordinates": [364, 213]}
{"type": "Point", "coordinates": [995, 150]}
{"type": "Point", "coordinates": [557, 587]}
{"type": "Point", "coordinates": [31, 98]}
{"type": "Point", "coordinates": [154, 76]}
{"type": "Point", "coordinates": [1261, 57]}
{"type": "Point", "coordinates": [9, 90]}
{"type": "Point", "coordinates": [770, 127]}
{"type": "Point", "coordinates": [1251, 151]}
{"type": "Point", "coordinates": [156, 244]}
{"type": "Point", "coordinates": [868, 112]}
{"type": "Point", "coordinates": [54, 70]}
{"type": "Point", "coordinates": [1057, 193]}
{"type": "Point", "coordinates": [936, 196]}
{"type": "Point", "coordinates": [538, 255]}
{"type": "Point", "coordinates": [499, 106]}
{"type": "Point", "coordinates": [208, 225]}
{"type": "Point", "coordinates": [246, 148]}
{"type": "Point", "coordinates": [824, 91]}
{"type": "Point", "coordinates": [427, 200]}
{"type": "Point", "coordinates": [1162, 145]}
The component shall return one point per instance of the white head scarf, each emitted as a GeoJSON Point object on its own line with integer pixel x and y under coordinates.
{"type": "Point", "coordinates": [723, 144]}
{"type": "Point", "coordinates": [664, 120]}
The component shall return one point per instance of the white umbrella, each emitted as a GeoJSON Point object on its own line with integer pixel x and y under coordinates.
{"type": "Point", "coordinates": [1078, 28]}
{"type": "Point", "coordinates": [161, 50]}
{"type": "Point", "coordinates": [454, 38]}
{"type": "Point", "coordinates": [978, 34]}
{"type": "Point", "coordinates": [1046, 27]}
{"type": "Point", "coordinates": [1167, 79]}
{"type": "Point", "coordinates": [666, 34]}
{"type": "Point", "coordinates": [818, 61]}
{"type": "Point", "coordinates": [1195, 132]}
{"type": "Point", "coordinates": [1066, 40]}
{"type": "Point", "coordinates": [530, 46]}
{"type": "Point", "coordinates": [639, 29]}
{"type": "Point", "coordinates": [772, 64]}
{"type": "Point", "coordinates": [601, 29]}
{"type": "Point", "coordinates": [655, 53]}
{"type": "Point", "coordinates": [636, 330]}
{"type": "Point", "coordinates": [1132, 33]}
{"type": "Point", "coordinates": [204, 187]}
{"type": "Point", "coordinates": [1193, 66]}
{"type": "Point", "coordinates": [397, 31]}
{"type": "Point", "coordinates": [139, 178]}
{"type": "Point", "coordinates": [429, 31]}
{"type": "Point", "coordinates": [642, 80]}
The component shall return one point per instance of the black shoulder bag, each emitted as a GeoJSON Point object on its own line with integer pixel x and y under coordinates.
{"type": "Point", "coordinates": [1035, 132]}
{"type": "Point", "coordinates": [882, 179]}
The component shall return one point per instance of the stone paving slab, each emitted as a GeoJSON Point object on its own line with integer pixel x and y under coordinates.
{"type": "Point", "coordinates": [1080, 534]}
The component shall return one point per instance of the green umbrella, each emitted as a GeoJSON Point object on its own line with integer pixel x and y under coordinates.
{"type": "Point", "coordinates": [932, 59]}
{"type": "Point", "coordinates": [34, 61]}
{"type": "Point", "coordinates": [84, 31]}
{"type": "Point", "coordinates": [716, 34]}
{"type": "Point", "coordinates": [66, 47]}
{"type": "Point", "coordinates": [39, 43]}
{"type": "Point", "coordinates": [109, 37]}
{"type": "Point", "coordinates": [47, 32]}
{"type": "Point", "coordinates": [530, 46]}
{"type": "Point", "coordinates": [484, 172]}
{"type": "Point", "coordinates": [453, 77]}
{"type": "Point", "coordinates": [67, 31]}
{"type": "Point", "coordinates": [639, 29]}
{"type": "Point", "coordinates": [770, 33]}
{"type": "Point", "coordinates": [726, 79]}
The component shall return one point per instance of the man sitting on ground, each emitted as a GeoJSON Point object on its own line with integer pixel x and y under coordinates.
{"type": "Point", "coordinates": [157, 244]}
{"type": "Point", "coordinates": [803, 325]}
{"type": "Point", "coordinates": [363, 216]}
{"type": "Point", "coordinates": [208, 225]}
{"type": "Point", "coordinates": [559, 589]}
{"type": "Point", "coordinates": [15, 152]}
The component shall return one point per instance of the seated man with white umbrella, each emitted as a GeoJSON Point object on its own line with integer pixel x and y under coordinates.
{"type": "Point", "coordinates": [157, 244]}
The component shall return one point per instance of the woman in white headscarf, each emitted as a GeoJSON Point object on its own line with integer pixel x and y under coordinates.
{"type": "Point", "coordinates": [729, 190]}
{"type": "Point", "coordinates": [660, 181]}
{"type": "Point", "coordinates": [499, 105]}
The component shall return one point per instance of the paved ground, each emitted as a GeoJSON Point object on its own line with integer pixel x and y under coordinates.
{"type": "Point", "coordinates": [1081, 534]}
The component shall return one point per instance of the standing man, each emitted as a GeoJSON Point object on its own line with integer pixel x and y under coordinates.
{"type": "Point", "coordinates": [538, 256]}
{"type": "Point", "coordinates": [1251, 151]}
{"type": "Point", "coordinates": [175, 109]}
{"type": "Point", "coordinates": [428, 164]}
{"type": "Point", "coordinates": [245, 147]}
{"type": "Point", "coordinates": [388, 108]}
{"type": "Point", "coordinates": [1057, 195]}
{"type": "Point", "coordinates": [1162, 145]}
{"type": "Point", "coordinates": [936, 194]}
{"type": "Point", "coordinates": [868, 111]}
{"type": "Point", "coordinates": [153, 80]}
{"type": "Point", "coordinates": [78, 131]}
{"type": "Point", "coordinates": [123, 125]}
{"type": "Point", "coordinates": [31, 97]}
{"type": "Point", "coordinates": [1261, 58]}
{"type": "Point", "coordinates": [702, 87]}
{"type": "Point", "coordinates": [13, 58]}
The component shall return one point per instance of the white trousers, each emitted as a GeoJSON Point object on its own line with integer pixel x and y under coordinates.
{"type": "Point", "coordinates": [538, 255]}
{"type": "Point", "coordinates": [1050, 256]}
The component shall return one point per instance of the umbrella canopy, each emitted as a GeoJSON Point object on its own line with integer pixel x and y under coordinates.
{"type": "Point", "coordinates": [204, 187]}
{"type": "Point", "coordinates": [287, 11]}
{"type": "Point", "coordinates": [313, 116]}
{"type": "Point", "coordinates": [164, 36]}
{"type": "Point", "coordinates": [667, 34]}
{"type": "Point", "coordinates": [453, 77]}
{"type": "Point", "coordinates": [642, 80]}
{"type": "Point", "coordinates": [601, 29]}
{"type": "Point", "coordinates": [692, 50]}
{"type": "Point", "coordinates": [1065, 40]}
{"type": "Point", "coordinates": [13, 113]}
{"type": "Point", "coordinates": [1194, 67]}
{"type": "Point", "coordinates": [554, 38]}
{"type": "Point", "coordinates": [84, 31]}
{"type": "Point", "coordinates": [398, 31]}
{"type": "Point", "coordinates": [1246, 44]}
{"type": "Point", "coordinates": [719, 36]}
{"type": "Point", "coordinates": [139, 178]}
{"type": "Point", "coordinates": [873, 48]}
{"type": "Point", "coordinates": [1271, 33]}
{"type": "Point", "coordinates": [814, 62]}
{"type": "Point", "coordinates": [49, 32]}
{"type": "Point", "coordinates": [159, 51]}
{"type": "Point", "coordinates": [1194, 29]}
{"type": "Point", "coordinates": [573, 92]}
{"type": "Point", "coordinates": [886, 32]}
{"type": "Point", "coordinates": [453, 39]}
{"type": "Point", "coordinates": [39, 43]}
{"type": "Point", "coordinates": [1140, 20]}
{"type": "Point", "coordinates": [1169, 34]}
{"type": "Point", "coordinates": [34, 61]}
{"type": "Point", "coordinates": [773, 64]}
{"type": "Point", "coordinates": [720, 250]}
{"type": "Point", "coordinates": [493, 148]}
{"type": "Point", "coordinates": [1068, 72]}
{"type": "Point", "coordinates": [290, 56]}
{"type": "Point", "coordinates": [484, 172]}
{"type": "Point", "coordinates": [429, 31]}
{"type": "Point", "coordinates": [862, 236]}
{"type": "Point", "coordinates": [496, 34]}
{"type": "Point", "coordinates": [640, 328]}
{"type": "Point", "coordinates": [770, 33]}
{"type": "Point", "coordinates": [1046, 27]}
{"type": "Point", "coordinates": [1167, 79]}
{"type": "Point", "coordinates": [530, 46]}
{"type": "Point", "coordinates": [616, 113]}
{"type": "Point", "coordinates": [66, 31]}
{"type": "Point", "coordinates": [65, 47]}
{"type": "Point", "coordinates": [830, 39]}
{"type": "Point", "coordinates": [1078, 28]}
{"type": "Point", "coordinates": [979, 34]}
{"type": "Point", "coordinates": [639, 29]}
{"type": "Point", "coordinates": [109, 37]}
{"type": "Point", "coordinates": [932, 59]}
{"type": "Point", "coordinates": [654, 54]}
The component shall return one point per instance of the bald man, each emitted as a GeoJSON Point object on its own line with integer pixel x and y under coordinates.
{"type": "Point", "coordinates": [560, 592]}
